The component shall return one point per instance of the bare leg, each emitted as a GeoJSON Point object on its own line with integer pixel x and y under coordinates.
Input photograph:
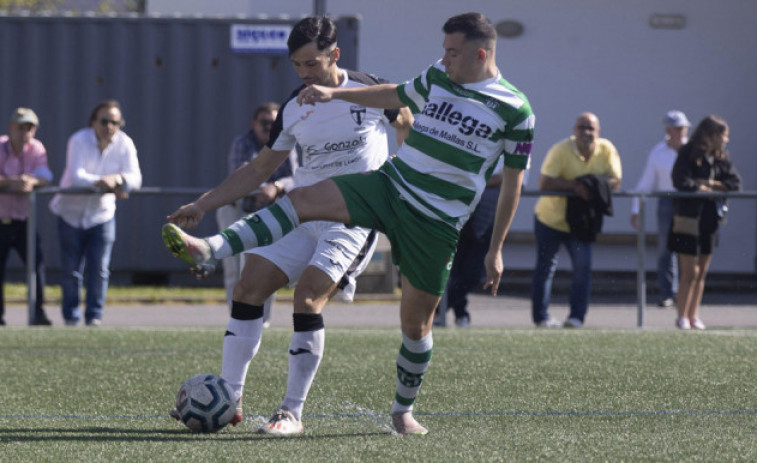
{"type": "Point", "coordinates": [321, 201]}
{"type": "Point", "coordinates": [703, 264]}
{"type": "Point", "coordinates": [688, 270]}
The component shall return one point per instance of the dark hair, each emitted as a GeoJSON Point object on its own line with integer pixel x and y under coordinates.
{"type": "Point", "coordinates": [105, 104]}
{"type": "Point", "coordinates": [706, 139]}
{"type": "Point", "coordinates": [318, 29]}
{"type": "Point", "coordinates": [473, 26]}
{"type": "Point", "coordinates": [268, 107]}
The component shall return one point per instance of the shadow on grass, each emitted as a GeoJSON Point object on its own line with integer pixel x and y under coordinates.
{"type": "Point", "coordinates": [153, 435]}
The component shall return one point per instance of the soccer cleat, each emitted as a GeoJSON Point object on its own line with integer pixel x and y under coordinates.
{"type": "Point", "coordinates": [683, 323]}
{"type": "Point", "coordinates": [238, 415]}
{"type": "Point", "coordinates": [195, 252]}
{"type": "Point", "coordinates": [404, 423]}
{"type": "Point", "coordinates": [282, 423]}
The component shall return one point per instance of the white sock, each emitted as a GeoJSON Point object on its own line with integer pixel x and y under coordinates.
{"type": "Point", "coordinates": [240, 344]}
{"type": "Point", "coordinates": [305, 354]}
{"type": "Point", "coordinates": [412, 363]}
{"type": "Point", "coordinates": [220, 248]}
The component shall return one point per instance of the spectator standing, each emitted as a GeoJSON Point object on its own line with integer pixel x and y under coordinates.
{"type": "Point", "coordinates": [656, 178]}
{"type": "Point", "coordinates": [703, 164]}
{"type": "Point", "coordinates": [244, 149]}
{"type": "Point", "coordinates": [581, 154]}
{"type": "Point", "coordinates": [101, 157]}
{"type": "Point", "coordinates": [23, 167]}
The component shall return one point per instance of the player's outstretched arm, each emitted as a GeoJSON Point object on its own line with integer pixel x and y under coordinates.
{"type": "Point", "coordinates": [509, 196]}
{"type": "Point", "coordinates": [237, 185]}
{"type": "Point", "coordinates": [373, 96]}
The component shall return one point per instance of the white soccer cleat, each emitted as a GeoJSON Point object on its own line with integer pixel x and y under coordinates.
{"type": "Point", "coordinates": [282, 423]}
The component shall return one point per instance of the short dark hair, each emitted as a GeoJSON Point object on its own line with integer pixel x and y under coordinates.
{"type": "Point", "coordinates": [473, 26]}
{"type": "Point", "coordinates": [105, 104]}
{"type": "Point", "coordinates": [268, 107]}
{"type": "Point", "coordinates": [318, 29]}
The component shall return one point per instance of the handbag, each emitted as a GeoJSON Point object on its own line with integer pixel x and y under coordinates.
{"type": "Point", "coordinates": [686, 225]}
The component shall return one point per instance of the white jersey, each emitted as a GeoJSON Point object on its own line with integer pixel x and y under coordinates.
{"type": "Point", "coordinates": [336, 137]}
{"type": "Point", "coordinates": [459, 133]}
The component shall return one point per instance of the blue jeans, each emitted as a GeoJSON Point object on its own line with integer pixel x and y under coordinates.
{"type": "Point", "coordinates": [667, 265]}
{"type": "Point", "coordinates": [548, 241]}
{"type": "Point", "coordinates": [88, 249]}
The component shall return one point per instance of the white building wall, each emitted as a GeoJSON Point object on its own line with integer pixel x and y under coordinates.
{"type": "Point", "coordinates": [582, 55]}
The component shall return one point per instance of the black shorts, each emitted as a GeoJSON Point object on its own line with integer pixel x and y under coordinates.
{"type": "Point", "coordinates": [693, 245]}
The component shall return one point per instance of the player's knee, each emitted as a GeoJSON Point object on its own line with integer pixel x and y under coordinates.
{"type": "Point", "coordinates": [248, 293]}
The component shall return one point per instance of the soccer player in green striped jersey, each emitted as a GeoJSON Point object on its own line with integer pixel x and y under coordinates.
{"type": "Point", "coordinates": [466, 116]}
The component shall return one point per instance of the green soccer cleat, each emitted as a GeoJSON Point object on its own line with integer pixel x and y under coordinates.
{"type": "Point", "coordinates": [195, 252]}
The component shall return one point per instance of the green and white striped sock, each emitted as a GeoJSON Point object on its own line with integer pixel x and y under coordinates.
{"type": "Point", "coordinates": [412, 363]}
{"type": "Point", "coordinates": [260, 228]}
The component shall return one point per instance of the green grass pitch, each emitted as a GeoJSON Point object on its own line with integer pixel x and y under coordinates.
{"type": "Point", "coordinates": [490, 395]}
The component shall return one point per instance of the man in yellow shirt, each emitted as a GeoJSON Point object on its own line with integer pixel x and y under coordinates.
{"type": "Point", "coordinates": [581, 154]}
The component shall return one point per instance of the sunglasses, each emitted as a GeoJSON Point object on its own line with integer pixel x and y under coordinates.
{"type": "Point", "coordinates": [106, 122]}
{"type": "Point", "coordinates": [265, 123]}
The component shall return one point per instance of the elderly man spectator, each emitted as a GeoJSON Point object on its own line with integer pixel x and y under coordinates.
{"type": "Point", "coordinates": [23, 167]}
{"type": "Point", "coordinates": [656, 177]}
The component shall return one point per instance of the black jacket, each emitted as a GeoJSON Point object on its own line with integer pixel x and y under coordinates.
{"type": "Point", "coordinates": [686, 171]}
{"type": "Point", "coordinates": [585, 217]}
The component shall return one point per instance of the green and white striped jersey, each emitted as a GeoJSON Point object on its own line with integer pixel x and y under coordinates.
{"type": "Point", "coordinates": [458, 135]}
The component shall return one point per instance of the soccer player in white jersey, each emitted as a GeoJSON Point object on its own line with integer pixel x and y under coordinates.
{"type": "Point", "coordinates": [318, 257]}
{"type": "Point", "coordinates": [466, 116]}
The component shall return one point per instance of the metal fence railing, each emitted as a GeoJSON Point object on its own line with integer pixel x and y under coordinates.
{"type": "Point", "coordinates": [158, 191]}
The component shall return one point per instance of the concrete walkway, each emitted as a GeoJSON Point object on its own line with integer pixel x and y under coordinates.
{"type": "Point", "coordinates": [738, 310]}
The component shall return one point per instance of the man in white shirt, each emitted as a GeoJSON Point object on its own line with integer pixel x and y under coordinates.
{"type": "Point", "coordinates": [103, 158]}
{"type": "Point", "coordinates": [656, 178]}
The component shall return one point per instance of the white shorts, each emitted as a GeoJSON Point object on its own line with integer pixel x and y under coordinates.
{"type": "Point", "coordinates": [340, 252]}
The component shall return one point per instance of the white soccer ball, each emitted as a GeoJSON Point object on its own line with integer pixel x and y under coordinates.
{"type": "Point", "coordinates": [205, 403]}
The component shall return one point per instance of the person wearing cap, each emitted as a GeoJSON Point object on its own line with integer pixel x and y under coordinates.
{"type": "Point", "coordinates": [23, 167]}
{"type": "Point", "coordinates": [103, 158]}
{"type": "Point", "coordinates": [656, 178]}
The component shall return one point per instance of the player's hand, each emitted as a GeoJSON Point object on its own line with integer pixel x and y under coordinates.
{"type": "Point", "coordinates": [313, 94]}
{"type": "Point", "coordinates": [187, 216]}
{"type": "Point", "coordinates": [494, 268]}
